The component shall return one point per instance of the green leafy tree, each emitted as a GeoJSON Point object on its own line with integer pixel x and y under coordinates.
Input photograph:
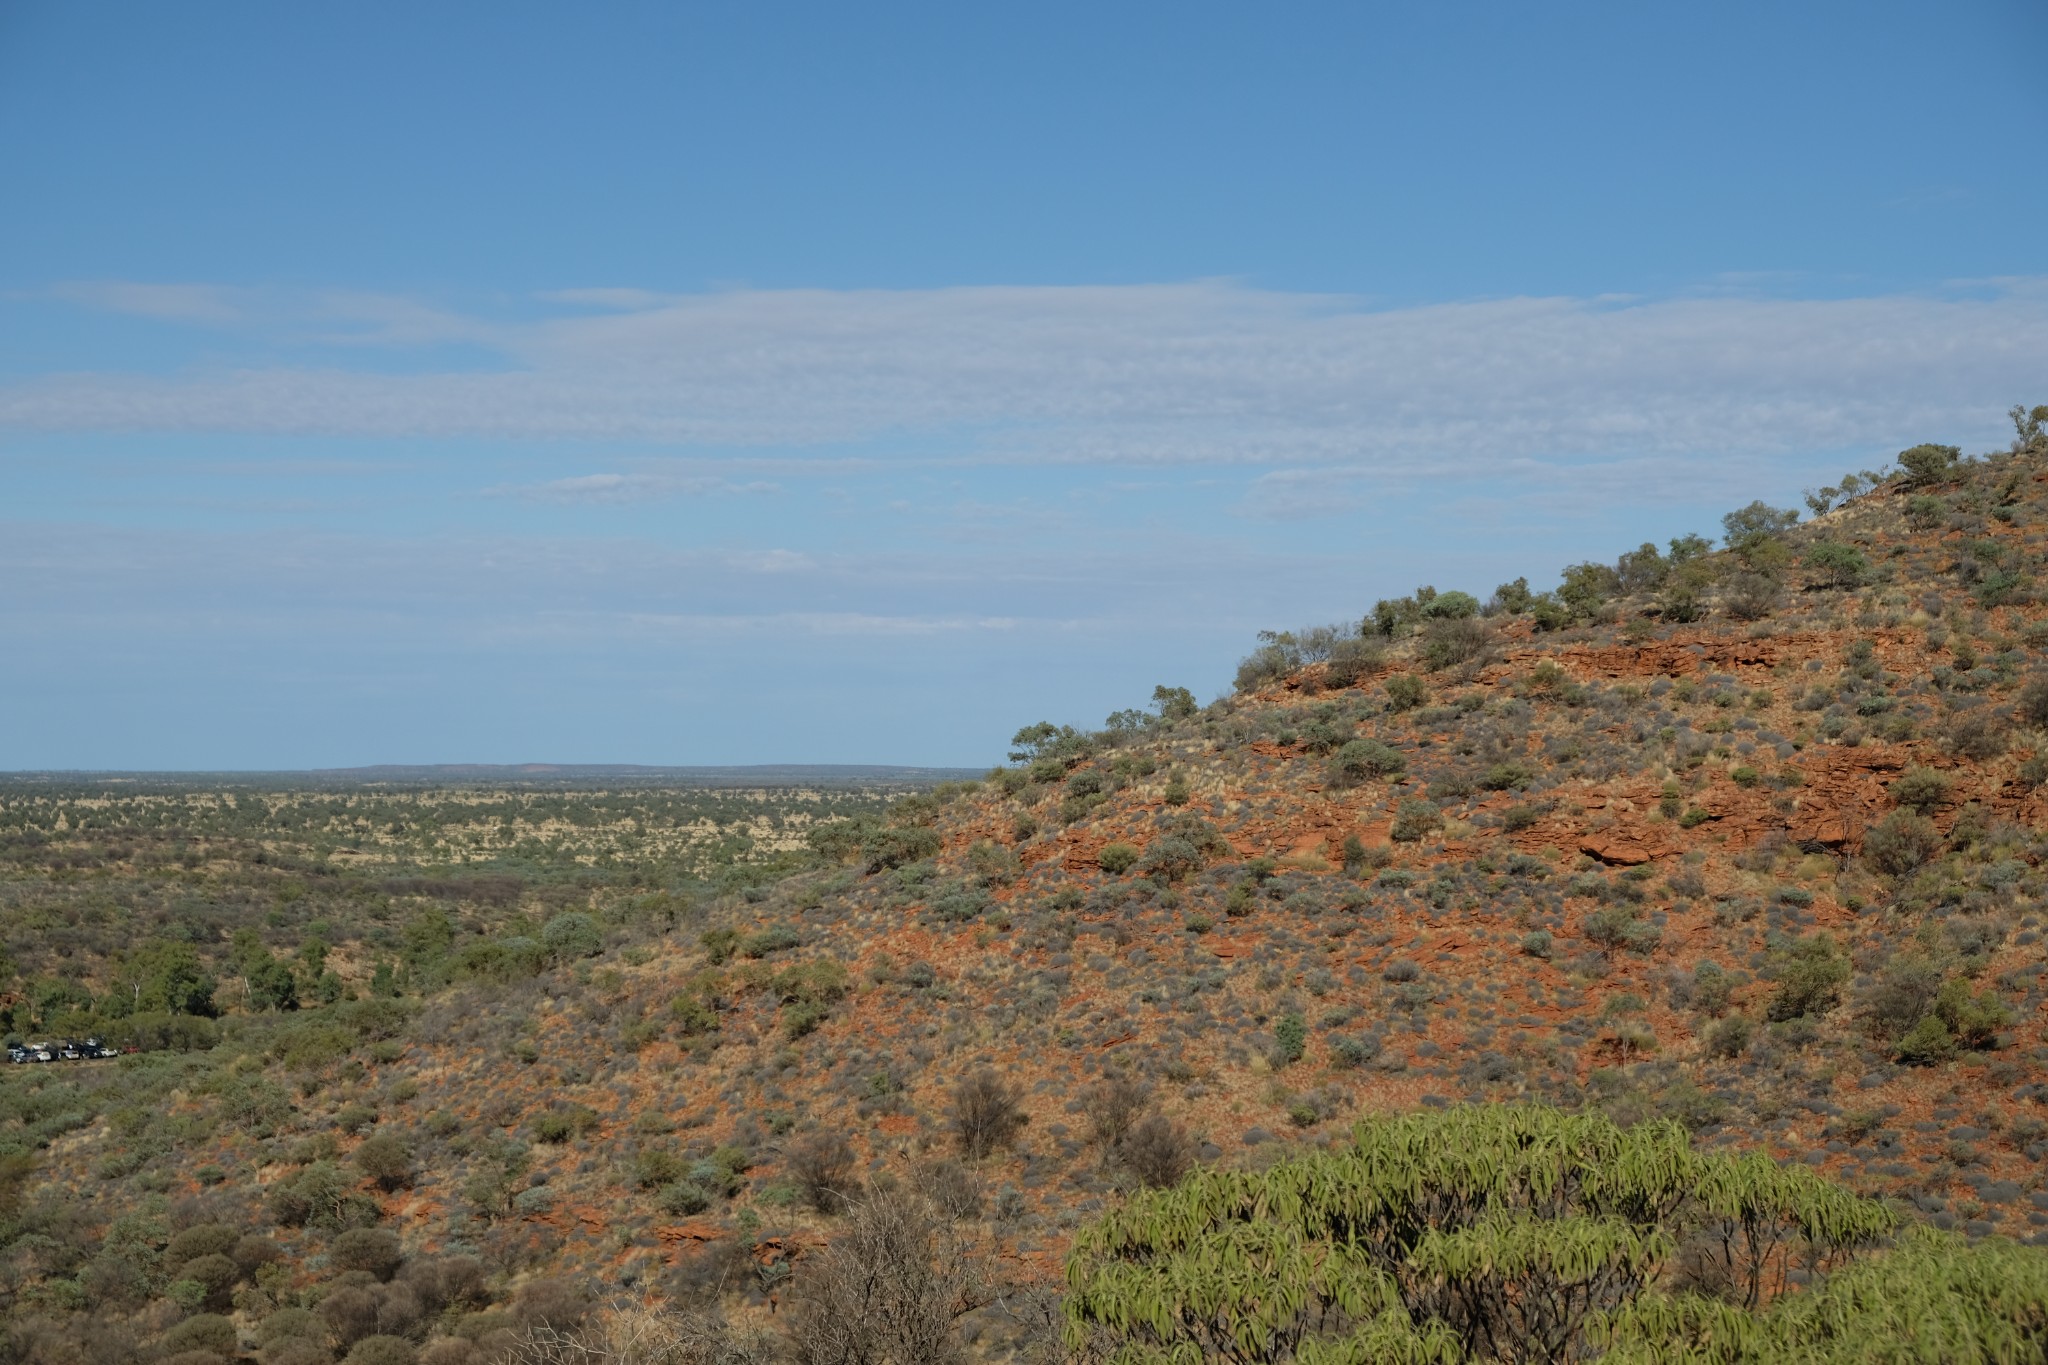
{"type": "Point", "coordinates": [1586, 586]}
{"type": "Point", "coordinates": [1928, 463]}
{"type": "Point", "coordinates": [1046, 740]}
{"type": "Point", "coordinates": [273, 985]}
{"type": "Point", "coordinates": [1450, 606]}
{"type": "Point", "coordinates": [1503, 1232]}
{"type": "Point", "coordinates": [161, 977]}
{"type": "Point", "coordinates": [1838, 565]}
{"type": "Point", "coordinates": [1748, 527]}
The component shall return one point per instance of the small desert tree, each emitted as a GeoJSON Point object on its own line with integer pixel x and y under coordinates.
{"type": "Point", "coordinates": [1502, 1232]}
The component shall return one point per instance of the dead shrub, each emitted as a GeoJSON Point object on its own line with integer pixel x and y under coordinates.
{"type": "Point", "coordinates": [1752, 596]}
{"type": "Point", "coordinates": [822, 1166]}
{"type": "Point", "coordinates": [889, 1288]}
{"type": "Point", "coordinates": [634, 1334]}
{"type": "Point", "coordinates": [986, 1114]}
{"type": "Point", "coordinates": [1157, 1151]}
{"type": "Point", "coordinates": [1113, 1106]}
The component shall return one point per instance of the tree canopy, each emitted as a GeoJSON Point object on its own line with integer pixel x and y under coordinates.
{"type": "Point", "coordinates": [1520, 1233]}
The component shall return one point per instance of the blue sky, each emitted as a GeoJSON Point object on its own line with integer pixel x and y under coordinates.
{"type": "Point", "coordinates": [709, 384]}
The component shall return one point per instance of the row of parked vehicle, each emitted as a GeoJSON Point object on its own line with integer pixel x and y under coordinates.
{"type": "Point", "coordinates": [65, 1050]}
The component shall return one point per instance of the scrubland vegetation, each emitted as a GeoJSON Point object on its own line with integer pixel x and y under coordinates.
{"type": "Point", "coordinates": [1649, 968]}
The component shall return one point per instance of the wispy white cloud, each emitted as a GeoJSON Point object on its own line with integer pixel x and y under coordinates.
{"type": "Point", "coordinates": [208, 304]}
{"type": "Point", "coordinates": [620, 488]}
{"type": "Point", "coordinates": [1203, 372]}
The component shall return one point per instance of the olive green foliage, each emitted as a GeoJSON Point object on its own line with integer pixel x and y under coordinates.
{"type": "Point", "coordinates": [1399, 615]}
{"type": "Point", "coordinates": [1933, 1297]}
{"type": "Point", "coordinates": [1414, 821]}
{"type": "Point", "coordinates": [1747, 527]}
{"type": "Point", "coordinates": [1920, 789]}
{"type": "Point", "coordinates": [1363, 760]}
{"type": "Point", "coordinates": [1928, 463]}
{"type": "Point", "coordinates": [1810, 972]}
{"type": "Point", "coordinates": [1837, 565]}
{"type": "Point", "coordinates": [1502, 1232]}
{"type": "Point", "coordinates": [1290, 1039]}
{"type": "Point", "coordinates": [1450, 641]}
{"type": "Point", "coordinates": [1900, 842]}
{"type": "Point", "coordinates": [571, 934]}
{"type": "Point", "coordinates": [1117, 858]}
{"type": "Point", "coordinates": [1584, 587]}
{"type": "Point", "coordinates": [1405, 692]}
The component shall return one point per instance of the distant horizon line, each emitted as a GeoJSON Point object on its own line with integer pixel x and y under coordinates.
{"type": "Point", "coordinates": [512, 769]}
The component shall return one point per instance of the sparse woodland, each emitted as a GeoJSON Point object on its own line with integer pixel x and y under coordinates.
{"type": "Point", "coordinates": [1646, 969]}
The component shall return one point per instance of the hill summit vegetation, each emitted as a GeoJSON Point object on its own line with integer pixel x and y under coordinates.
{"type": "Point", "coordinates": [1647, 968]}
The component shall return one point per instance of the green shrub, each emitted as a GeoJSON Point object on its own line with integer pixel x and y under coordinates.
{"type": "Point", "coordinates": [1729, 1037]}
{"type": "Point", "coordinates": [821, 981]}
{"type": "Point", "coordinates": [1752, 596]}
{"type": "Point", "coordinates": [1499, 1232]}
{"type": "Point", "coordinates": [1171, 858]}
{"type": "Point", "coordinates": [1900, 843]}
{"type": "Point", "coordinates": [560, 1124]}
{"type": "Point", "coordinates": [382, 1349]}
{"type": "Point", "coordinates": [1711, 990]}
{"type": "Point", "coordinates": [320, 1196]}
{"type": "Point", "coordinates": [1450, 606]}
{"type": "Point", "coordinates": [1507, 777]}
{"type": "Point", "coordinates": [386, 1159]}
{"type": "Point", "coordinates": [1746, 527]}
{"type": "Point", "coordinates": [775, 938]}
{"type": "Point", "coordinates": [694, 1015]}
{"type": "Point", "coordinates": [1352, 1052]}
{"type": "Point", "coordinates": [682, 1198]}
{"type": "Point", "coordinates": [1974, 1020]}
{"type": "Point", "coordinates": [1117, 859]}
{"type": "Point", "coordinates": [1405, 692]}
{"type": "Point", "coordinates": [203, 1332]}
{"type": "Point", "coordinates": [374, 1250]}
{"type": "Point", "coordinates": [571, 934]}
{"type": "Point", "coordinates": [1837, 565]}
{"type": "Point", "coordinates": [1920, 789]}
{"type": "Point", "coordinates": [1809, 972]}
{"type": "Point", "coordinates": [1290, 1039]}
{"type": "Point", "coordinates": [654, 1167]}
{"type": "Point", "coordinates": [1924, 513]}
{"type": "Point", "coordinates": [1460, 640]}
{"type": "Point", "coordinates": [719, 945]}
{"type": "Point", "coordinates": [1414, 821]}
{"type": "Point", "coordinates": [1926, 1043]}
{"type": "Point", "coordinates": [1364, 760]}
{"type": "Point", "coordinates": [897, 846]}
